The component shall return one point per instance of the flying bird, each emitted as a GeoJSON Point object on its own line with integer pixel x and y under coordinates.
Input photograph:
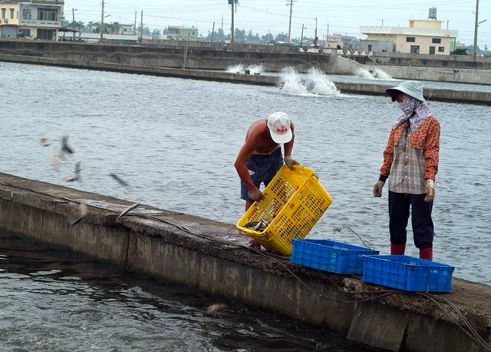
{"type": "Point", "coordinates": [55, 160]}
{"type": "Point", "coordinates": [83, 211]}
{"type": "Point", "coordinates": [119, 180]}
{"type": "Point", "coordinates": [44, 141]}
{"type": "Point", "coordinates": [65, 148]}
{"type": "Point", "coordinates": [77, 176]}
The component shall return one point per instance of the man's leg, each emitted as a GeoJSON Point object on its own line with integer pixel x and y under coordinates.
{"type": "Point", "coordinates": [252, 166]}
{"type": "Point", "coordinates": [398, 217]}
{"type": "Point", "coordinates": [422, 225]}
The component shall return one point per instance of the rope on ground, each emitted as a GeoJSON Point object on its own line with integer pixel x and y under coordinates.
{"type": "Point", "coordinates": [454, 316]}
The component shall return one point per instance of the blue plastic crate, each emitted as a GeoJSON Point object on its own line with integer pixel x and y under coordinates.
{"type": "Point", "coordinates": [407, 273]}
{"type": "Point", "coordinates": [331, 256]}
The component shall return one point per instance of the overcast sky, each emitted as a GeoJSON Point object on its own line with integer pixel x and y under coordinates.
{"type": "Point", "coordinates": [262, 16]}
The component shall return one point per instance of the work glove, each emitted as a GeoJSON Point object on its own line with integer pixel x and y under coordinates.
{"type": "Point", "coordinates": [290, 162]}
{"type": "Point", "coordinates": [430, 191]}
{"type": "Point", "coordinates": [255, 195]}
{"type": "Point", "coordinates": [377, 188]}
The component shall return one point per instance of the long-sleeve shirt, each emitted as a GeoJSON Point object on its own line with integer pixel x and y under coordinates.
{"type": "Point", "coordinates": [411, 158]}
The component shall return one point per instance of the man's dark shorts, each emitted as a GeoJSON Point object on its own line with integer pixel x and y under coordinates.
{"type": "Point", "coordinates": [263, 168]}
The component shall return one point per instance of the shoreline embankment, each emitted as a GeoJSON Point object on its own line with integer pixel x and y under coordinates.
{"type": "Point", "coordinates": [210, 64]}
{"type": "Point", "coordinates": [214, 257]}
{"type": "Point", "coordinates": [447, 95]}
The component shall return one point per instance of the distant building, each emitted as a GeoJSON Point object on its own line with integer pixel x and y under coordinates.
{"type": "Point", "coordinates": [108, 38]}
{"type": "Point", "coordinates": [182, 33]}
{"type": "Point", "coordinates": [421, 37]}
{"type": "Point", "coordinates": [125, 28]}
{"type": "Point", "coordinates": [334, 42]}
{"type": "Point", "coordinates": [36, 19]}
{"type": "Point", "coordinates": [377, 46]}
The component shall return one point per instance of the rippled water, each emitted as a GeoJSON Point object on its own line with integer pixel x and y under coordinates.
{"type": "Point", "coordinates": [175, 142]}
{"type": "Point", "coordinates": [59, 302]}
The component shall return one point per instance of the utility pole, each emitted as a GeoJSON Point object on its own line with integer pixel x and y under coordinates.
{"type": "Point", "coordinates": [315, 36]}
{"type": "Point", "coordinates": [136, 14]}
{"type": "Point", "coordinates": [301, 36]}
{"type": "Point", "coordinates": [476, 25]}
{"type": "Point", "coordinates": [102, 23]}
{"type": "Point", "coordinates": [212, 31]}
{"type": "Point", "coordinates": [73, 22]}
{"type": "Point", "coordinates": [232, 28]}
{"type": "Point", "coordinates": [141, 27]}
{"type": "Point", "coordinates": [223, 33]}
{"type": "Point", "coordinates": [290, 23]}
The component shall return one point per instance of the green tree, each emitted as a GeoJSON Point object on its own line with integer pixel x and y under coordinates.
{"type": "Point", "coordinates": [78, 25]}
{"type": "Point", "coordinates": [459, 51]}
{"type": "Point", "coordinates": [281, 37]}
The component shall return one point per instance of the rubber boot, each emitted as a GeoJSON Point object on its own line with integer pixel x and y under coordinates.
{"type": "Point", "coordinates": [426, 253]}
{"type": "Point", "coordinates": [254, 244]}
{"type": "Point", "coordinates": [397, 249]}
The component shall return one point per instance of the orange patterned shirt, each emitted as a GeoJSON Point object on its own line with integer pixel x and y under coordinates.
{"type": "Point", "coordinates": [426, 138]}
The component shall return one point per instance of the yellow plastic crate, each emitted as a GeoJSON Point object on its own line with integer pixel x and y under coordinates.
{"type": "Point", "coordinates": [293, 203]}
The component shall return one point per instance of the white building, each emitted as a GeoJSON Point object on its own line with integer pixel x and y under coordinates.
{"type": "Point", "coordinates": [37, 19]}
{"type": "Point", "coordinates": [420, 37]}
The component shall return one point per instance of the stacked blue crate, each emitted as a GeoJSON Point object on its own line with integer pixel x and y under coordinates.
{"type": "Point", "coordinates": [407, 273]}
{"type": "Point", "coordinates": [330, 256]}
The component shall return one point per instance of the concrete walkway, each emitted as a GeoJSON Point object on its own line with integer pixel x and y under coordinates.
{"type": "Point", "coordinates": [213, 256]}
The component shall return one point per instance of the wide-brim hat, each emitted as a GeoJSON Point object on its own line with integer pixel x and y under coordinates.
{"type": "Point", "coordinates": [411, 88]}
{"type": "Point", "coordinates": [279, 127]}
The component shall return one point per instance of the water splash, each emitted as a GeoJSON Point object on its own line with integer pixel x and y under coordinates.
{"type": "Point", "coordinates": [380, 74]}
{"type": "Point", "coordinates": [364, 73]}
{"type": "Point", "coordinates": [256, 69]}
{"type": "Point", "coordinates": [292, 83]}
{"type": "Point", "coordinates": [315, 82]}
{"type": "Point", "coordinates": [240, 68]}
{"type": "Point", "coordinates": [318, 83]}
{"type": "Point", "coordinates": [236, 69]}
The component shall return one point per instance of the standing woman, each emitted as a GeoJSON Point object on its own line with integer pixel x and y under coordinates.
{"type": "Point", "coordinates": [411, 164]}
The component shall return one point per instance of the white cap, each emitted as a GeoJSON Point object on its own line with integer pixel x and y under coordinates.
{"type": "Point", "coordinates": [279, 127]}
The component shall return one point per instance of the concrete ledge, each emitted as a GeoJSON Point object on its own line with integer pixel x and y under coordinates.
{"type": "Point", "coordinates": [222, 76]}
{"type": "Point", "coordinates": [213, 256]}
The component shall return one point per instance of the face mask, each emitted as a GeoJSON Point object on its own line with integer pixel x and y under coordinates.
{"type": "Point", "coordinates": [407, 105]}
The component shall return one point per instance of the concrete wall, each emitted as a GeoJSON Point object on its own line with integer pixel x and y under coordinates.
{"type": "Point", "coordinates": [456, 75]}
{"type": "Point", "coordinates": [212, 256]}
{"type": "Point", "coordinates": [363, 88]}
{"type": "Point", "coordinates": [451, 61]}
{"type": "Point", "coordinates": [196, 58]}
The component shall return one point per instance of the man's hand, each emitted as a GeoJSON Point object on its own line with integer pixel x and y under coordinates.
{"type": "Point", "coordinates": [377, 188]}
{"type": "Point", "coordinates": [290, 162]}
{"type": "Point", "coordinates": [255, 195]}
{"type": "Point", "coordinates": [430, 191]}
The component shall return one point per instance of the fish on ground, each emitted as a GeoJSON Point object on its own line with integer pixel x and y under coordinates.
{"type": "Point", "coordinates": [215, 307]}
{"type": "Point", "coordinates": [127, 210]}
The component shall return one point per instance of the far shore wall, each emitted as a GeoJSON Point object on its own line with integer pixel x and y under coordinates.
{"type": "Point", "coordinates": [174, 57]}
{"type": "Point", "coordinates": [423, 67]}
